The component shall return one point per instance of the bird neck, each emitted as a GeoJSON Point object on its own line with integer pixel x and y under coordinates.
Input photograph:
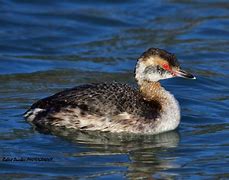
{"type": "Point", "coordinates": [152, 91]}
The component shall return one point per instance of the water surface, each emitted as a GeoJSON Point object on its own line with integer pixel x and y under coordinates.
{"type": "Point", "coordinates": [47, 46]}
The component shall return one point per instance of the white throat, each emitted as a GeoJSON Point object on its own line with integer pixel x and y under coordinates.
{"type": "Point", "coordinates": [148, 72]}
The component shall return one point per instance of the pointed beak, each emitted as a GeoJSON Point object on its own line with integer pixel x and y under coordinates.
{"type": "Point", "coordinates": [183, 74]}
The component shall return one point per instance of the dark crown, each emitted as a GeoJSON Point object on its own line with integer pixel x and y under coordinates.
{"type": "Point", "coordinates": [171, 58]}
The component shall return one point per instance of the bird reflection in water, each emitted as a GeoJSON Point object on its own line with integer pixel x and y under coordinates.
{"type": "Point", "coordinates": [146, 153]}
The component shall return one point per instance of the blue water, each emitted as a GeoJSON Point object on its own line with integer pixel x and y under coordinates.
{"type": "Point", "coordinates": [47, 46]}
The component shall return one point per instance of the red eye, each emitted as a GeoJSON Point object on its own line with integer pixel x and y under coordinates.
{"type": "Point", "coordinates": [166, 66]}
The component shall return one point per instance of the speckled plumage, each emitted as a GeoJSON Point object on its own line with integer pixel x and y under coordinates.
{"type": "Point", "coordinates": [115, 107]}
{"type": "Point", "coordinates": [102, 99]}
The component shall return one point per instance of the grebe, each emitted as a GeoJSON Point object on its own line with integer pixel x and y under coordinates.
{"type": "Point", "coordinates": [116, 107]}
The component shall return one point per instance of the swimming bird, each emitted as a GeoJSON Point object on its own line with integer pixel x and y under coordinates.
{"type": "Point", "coordinates": [115, 107]}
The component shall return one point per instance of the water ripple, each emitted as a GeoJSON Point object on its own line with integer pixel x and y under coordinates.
{"type": "Point", "coordinates": [47, 46]}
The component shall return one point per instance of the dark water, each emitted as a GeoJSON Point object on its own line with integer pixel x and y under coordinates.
{"type": "Point", "coordinates": [46, 46]}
